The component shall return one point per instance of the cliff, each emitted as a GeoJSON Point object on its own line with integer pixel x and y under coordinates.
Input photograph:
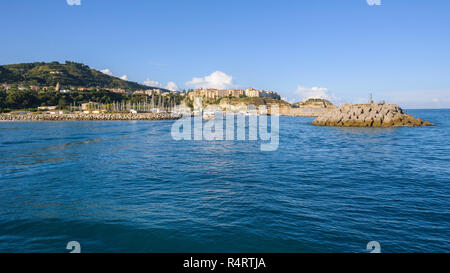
{"type": "Point", "coordinates": [368, 115]}
{"type": "Point", "coordinates": [285, 108]}
{"type": "Point", "coordinates": [256, 101]}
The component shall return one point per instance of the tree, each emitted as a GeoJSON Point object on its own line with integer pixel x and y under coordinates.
{"type": "Point", "coordinates": [62, 103]}
{"type": "Point", "coordinates": [19, 99]}
{"type": "Point", "coordinates": [2, 99]}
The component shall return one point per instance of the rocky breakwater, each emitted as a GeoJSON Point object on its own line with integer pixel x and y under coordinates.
{"type": "Point", "coordinates": [368, 115]}
{"type": "Point", "coordinates": [105, 116]}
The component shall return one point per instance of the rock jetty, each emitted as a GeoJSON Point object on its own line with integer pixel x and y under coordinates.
{"type": "Point", "coordinates": [368, 115]}
{"type": "Point", "coordinates": [106, 116]}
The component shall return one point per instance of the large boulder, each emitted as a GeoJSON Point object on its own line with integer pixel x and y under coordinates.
{"type": "Point", "coordinates": [368, 115]}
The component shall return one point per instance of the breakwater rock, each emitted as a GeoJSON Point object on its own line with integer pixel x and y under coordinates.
{"type": "Point", "coordinates": [368, 115]}
{"type": "Point", "coordinates": [106, 116]}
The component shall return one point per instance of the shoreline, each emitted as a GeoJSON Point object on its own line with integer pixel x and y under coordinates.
{"type": "Point", "coordinates": [8, 117]}
{"type": "Point", "coordinates": [88, 117]}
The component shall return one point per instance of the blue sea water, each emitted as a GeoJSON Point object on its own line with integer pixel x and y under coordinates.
{"type": "Point", "coordinates": [128, 187]}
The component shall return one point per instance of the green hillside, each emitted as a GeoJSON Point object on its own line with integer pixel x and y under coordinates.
{"type": "Point", "coordinates": [315, 103]}
{"type": "Point", "coordinates": [67, 75]}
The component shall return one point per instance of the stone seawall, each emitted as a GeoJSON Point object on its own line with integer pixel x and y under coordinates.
{"type": "Point", "coordinates": [68, 117]}
{"type": "Point", "coordinates": [368, 115]}
{"type": "Point", "coordinates": [301, 112]}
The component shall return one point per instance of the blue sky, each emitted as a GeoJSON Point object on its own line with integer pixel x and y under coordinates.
{"type": "Point", "coordinates": [338, 49]}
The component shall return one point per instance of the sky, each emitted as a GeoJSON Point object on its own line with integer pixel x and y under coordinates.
{"type": "Point", "coordinates": [342, 50]}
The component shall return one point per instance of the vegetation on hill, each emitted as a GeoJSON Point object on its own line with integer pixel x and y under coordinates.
{"type": "Point", "coordinates": [69, 74]}
{"type": "Point", "coordinates": [28, 86]}
{"type": "Point", "coordinates": [27, 99]}
{"type": "Point", "coordinates": [322, 103]}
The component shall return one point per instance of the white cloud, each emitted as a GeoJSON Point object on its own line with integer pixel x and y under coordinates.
{"type": "Point", "coordinates": [171, 86]}
{"type": "Point", "coordinates": [218, 80]}
{"type": "Point", "coordinates": [74, 2]}
{"type": "Point", "coordinates": [107, 72]}
{"type": "Point", "coordinates": [151, 83]}
{"type": "Point", "coordinates": [314, 93]}
{"type": "Point", "coordinates": [374, 2]}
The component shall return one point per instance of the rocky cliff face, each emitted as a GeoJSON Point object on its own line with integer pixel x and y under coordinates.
{"type": "Point", "coordinates": [285, 108]}
{"type": "Point", "coordinates": [368, 115]}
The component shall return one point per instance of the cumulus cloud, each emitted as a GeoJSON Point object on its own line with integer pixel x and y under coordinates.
{"type": "Point", "coordinates": [314, 93]}
{"type": "Point", "coordinates": [74, 2]}
{"type": "Point", "coordinates": [218, 80]}
{"type": "Point", "coordinates": [107, 72]}
{"type": "Point", "coordinates": [374, 2]}
{"type": "Point", "coordinates": [151, 83]}
{"type": "Point", "coordinates": [171, 86]}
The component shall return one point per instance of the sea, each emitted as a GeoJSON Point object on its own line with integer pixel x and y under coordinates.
{"type": "Point", "coordinates": [128, 186]}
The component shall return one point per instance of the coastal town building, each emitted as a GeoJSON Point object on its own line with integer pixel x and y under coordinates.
{"type": "Point", "coordinates": [58, 112]}
{"type": "Point", "coordinates": [117, 90]}
{"type": "Point", "coordinates": [220, 93]}
{"type": "Point", "coordinates": [47, 107]}
{"type": "Point", "coordinates": [250, 92]}
{"type": "Point", "coordinates": [148, 92]}
{"type": "Point", "coordinates": [5, 86]}
{"type": "Point", "coordinates": [151, 92]}
{"type": "Point", "coordinates": [89, 105]}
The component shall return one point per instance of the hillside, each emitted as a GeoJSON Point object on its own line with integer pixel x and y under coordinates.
{"type": "Point", "coordinates": [67, 74]}
{"type": "Point", "coordinates": [315, 103]}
